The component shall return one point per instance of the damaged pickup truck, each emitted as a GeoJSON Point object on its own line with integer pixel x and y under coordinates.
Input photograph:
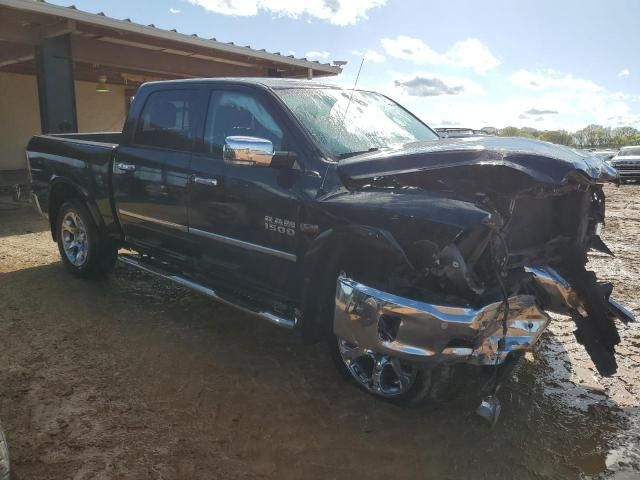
{"type": "Point", "coordinates": [341, 215]}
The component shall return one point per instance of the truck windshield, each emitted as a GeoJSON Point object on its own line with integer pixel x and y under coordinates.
{"type": "Point", "coordinates": [348, 125]}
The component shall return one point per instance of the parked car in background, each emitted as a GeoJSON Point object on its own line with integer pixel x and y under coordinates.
{"type": "Point", "coordinates": [401, 249]}
{"type": "Point", "coordinates": [627, 163]}
{"type": "Point", "coordinates": [604, 155]}
{"type": "Point", "coordinates": [457, 132]}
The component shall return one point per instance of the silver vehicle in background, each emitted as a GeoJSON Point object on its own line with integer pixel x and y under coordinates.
{"type": "Point", "coordinates": [627, 163]}
{"type": "Point", "coordinates": [604, 155]}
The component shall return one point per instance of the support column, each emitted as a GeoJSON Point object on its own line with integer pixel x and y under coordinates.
{"type": "Point", "coordinates": [56, 89]}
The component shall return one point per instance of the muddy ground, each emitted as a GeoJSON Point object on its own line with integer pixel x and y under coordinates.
{"type": "Point", "coordinates": [133, 378]}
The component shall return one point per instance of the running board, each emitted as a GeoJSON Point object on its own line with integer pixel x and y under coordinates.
{"type": "Point", "coordinates": [269, 316]}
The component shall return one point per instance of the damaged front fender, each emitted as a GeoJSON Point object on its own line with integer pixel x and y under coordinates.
{"type": "Point", "coordinates": [591, 306]}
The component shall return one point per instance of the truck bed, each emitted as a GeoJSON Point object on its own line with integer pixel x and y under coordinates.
{"type": "Point", "coordinates": [81, 161]}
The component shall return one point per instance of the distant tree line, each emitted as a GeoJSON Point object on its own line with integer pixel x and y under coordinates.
{"type": "Point", "coordinates": [592, 136]}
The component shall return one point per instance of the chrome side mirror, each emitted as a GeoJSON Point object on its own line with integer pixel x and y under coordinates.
{"type": "Point", "coordinates": [248, 151]}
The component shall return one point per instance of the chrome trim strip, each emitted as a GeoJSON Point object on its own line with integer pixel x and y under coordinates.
{"type": "Point", "coordinates": [182, 228]}
{"type": "Point", "coordinates": [213, 236]}
{"type": "Point", "coordinates": [242, 244]}
{"type": "Point", "coordinates": [269, 316]}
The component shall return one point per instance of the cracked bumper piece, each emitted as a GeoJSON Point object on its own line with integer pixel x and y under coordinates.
{"type": "Point", "coordinates": [422, 332]}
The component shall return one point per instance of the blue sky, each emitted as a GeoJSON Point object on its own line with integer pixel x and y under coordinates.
{"type": "Point", "coordinates": [540, 63]}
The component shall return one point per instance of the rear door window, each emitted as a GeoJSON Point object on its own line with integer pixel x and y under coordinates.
{"type": "Point", "coordinates": [167, 120]}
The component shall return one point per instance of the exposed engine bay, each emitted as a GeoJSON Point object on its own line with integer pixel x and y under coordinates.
{"type": "Point", "coordinates": [545, 208]}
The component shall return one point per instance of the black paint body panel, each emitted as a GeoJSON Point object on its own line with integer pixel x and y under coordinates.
{"type": "Point", "coordinates": [328, 205]}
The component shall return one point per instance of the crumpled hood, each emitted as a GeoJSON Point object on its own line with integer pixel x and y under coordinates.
{"type": "Point", "coordinates": [541, 161]}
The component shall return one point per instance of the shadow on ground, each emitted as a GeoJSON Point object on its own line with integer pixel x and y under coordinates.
{"type": "Point", "coordinates": [19, 218]}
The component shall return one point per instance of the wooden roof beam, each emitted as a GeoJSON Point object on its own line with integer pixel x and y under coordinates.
{"type": "Point", "coordinates": [33, 34]}
{"type": "Point", "coordinates": [16, 54]}
{"type": "Point", "coordinates": [17, 34]}
{"type": "Point", "coordinates": [97, 52]}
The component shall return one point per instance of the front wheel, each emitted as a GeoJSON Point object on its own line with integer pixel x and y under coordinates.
{"type": "Point", "coordinates": [381, 375]}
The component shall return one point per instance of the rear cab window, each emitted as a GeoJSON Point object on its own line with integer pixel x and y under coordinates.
{"type": "Point", "coordinates": [168, 120]}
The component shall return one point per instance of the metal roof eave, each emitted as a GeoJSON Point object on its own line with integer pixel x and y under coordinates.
{"type": "Point", "coordinates": [69, 13]}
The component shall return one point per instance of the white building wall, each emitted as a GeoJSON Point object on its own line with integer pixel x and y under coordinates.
{"type": "Point", "coordinates": [20, 114]}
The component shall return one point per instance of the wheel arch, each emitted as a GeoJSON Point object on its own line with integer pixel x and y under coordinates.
{"type": "Point", "coordinates": [371, 251]}
{"type": "Point", "coordinates": [63, 189]}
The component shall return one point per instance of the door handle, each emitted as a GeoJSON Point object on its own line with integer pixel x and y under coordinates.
{"type": "Point", "coordinates": [125, 167]}
{"type": "Point", "coordinates": [212, 182]}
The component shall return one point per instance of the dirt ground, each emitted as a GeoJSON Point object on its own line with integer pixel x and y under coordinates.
{"type": "Point", "coordinates": [133, 378]}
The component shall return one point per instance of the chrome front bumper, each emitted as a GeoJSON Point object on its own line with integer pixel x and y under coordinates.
{"type": "Point", "coordinates": [423, 332]}
{"type": "Point", "coordinates": [427, 333]}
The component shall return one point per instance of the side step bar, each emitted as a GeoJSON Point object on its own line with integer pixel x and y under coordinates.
{"type": "Point", "coordinates": [269, 316]}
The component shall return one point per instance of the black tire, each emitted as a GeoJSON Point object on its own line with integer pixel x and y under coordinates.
{"type": "Point", "coordinates": [420, 389]}
{"type": "Point", "coordinates": [99, 254]}
{"type": "Point", "coordinates": [433, 384]}
{"type": "Point", "coordinates": [423, 377]}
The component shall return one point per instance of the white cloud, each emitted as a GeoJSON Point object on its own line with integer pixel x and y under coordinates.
{"type": "Point", "coordinates": [546, 80]}
{"type": "Point", "coordinates": [174, 11]}
{"type": "Point", "coordinates": [426, 84]}
{"type": "Point", "coordinates": [370, 56]}
{"type": "Point", "coordinates": [316, 54]}
{"type": "Point", "coordinates": [624, 72]}
{"type": "Point", "coordinates": [575, 110]}
{"type": "Point", "coordinates": [469, 53]}
{"type": "Point", "coordinates": [496, 101]}
{"type": "Point", "coordinates": [338, 12]}
{"type": "Point", "coordinates": [472, 53]}
{"type": "Point", "coordinates": [540, 111]}
{"type": "Point", "coordinates": [412, 49]}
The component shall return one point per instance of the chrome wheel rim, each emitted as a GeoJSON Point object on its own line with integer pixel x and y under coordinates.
{"type": "Point", "coordinates": [74, 239]}
{"type": "Point", "coordinates": [380, 374]}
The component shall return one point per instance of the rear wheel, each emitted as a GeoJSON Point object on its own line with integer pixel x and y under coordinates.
{"type": "Point", "coordinates": [85, 253]}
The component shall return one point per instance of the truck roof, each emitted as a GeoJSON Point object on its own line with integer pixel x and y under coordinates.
{"type": "Point", "coordinates": [275, 83]}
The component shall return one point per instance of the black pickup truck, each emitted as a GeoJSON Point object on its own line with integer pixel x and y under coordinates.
{"type": "Point", "coordinates": [341, 215]}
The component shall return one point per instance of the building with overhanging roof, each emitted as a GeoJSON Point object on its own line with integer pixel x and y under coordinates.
{"type": "Point", "coordinates": [65, 70]}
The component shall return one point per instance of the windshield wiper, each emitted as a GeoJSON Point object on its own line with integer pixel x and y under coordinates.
{"type": "Point", "coordinates": [357, 152]}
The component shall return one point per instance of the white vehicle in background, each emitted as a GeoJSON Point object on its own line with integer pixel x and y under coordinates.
{"type": "Point", "coordinates": [605, 155]}
{"type": "Point", "coordinates": [627, 163]}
